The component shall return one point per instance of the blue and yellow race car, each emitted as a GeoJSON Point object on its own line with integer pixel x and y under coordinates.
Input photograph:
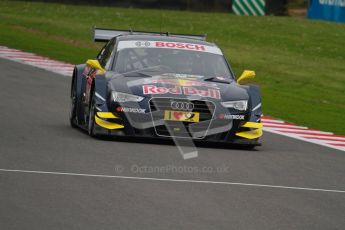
{"type": "Point", "coordinates": [163, 85]}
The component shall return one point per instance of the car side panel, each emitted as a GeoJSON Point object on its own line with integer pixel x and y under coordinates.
{"type": "Point", "coordinates": [255, 102]}
{"type": "Point", "coordinates": [100, 84]}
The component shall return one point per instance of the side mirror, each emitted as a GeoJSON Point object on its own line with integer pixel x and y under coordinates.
{"type": "Point", "coordinates": [247, 74]}
{"type": "Point", "coordinates": [95, 64]}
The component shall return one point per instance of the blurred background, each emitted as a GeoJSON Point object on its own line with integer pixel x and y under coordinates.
{"type": "Point", "coordinates": [273, 7]}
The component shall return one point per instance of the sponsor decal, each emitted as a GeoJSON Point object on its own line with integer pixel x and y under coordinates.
{"type": "Point", "coordinates": [184, 90]}
{"type": "Point", "coordinates": [231, 117]}
{"type": "Point", "coordinates": [182, 75]}
{"type": "Point", "coordinates": [169, 45]}
{"type": "Point", "coordinates": [180, 82]}
{"type": "Point", "coordinates": [142, 44]}
{"type": "Point", "coordinates": [188, 46]}
{"type": "Point", "coordinates": [181, 116]}
{"type": "Point", "coordinates": [130, 110]}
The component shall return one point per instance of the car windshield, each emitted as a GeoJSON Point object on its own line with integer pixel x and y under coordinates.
{"type": "Point", "coordinates": [203, 64]}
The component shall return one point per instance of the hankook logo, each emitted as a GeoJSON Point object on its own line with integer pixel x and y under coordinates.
{"type": "Point", "coordinates": [181, 105]}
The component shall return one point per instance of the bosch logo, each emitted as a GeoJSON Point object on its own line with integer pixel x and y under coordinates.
{"type": "Point", "coordinates": [180, 105]}
{"type": "Point", "coordinates": [142, 44]}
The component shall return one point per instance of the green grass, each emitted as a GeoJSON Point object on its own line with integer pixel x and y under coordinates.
{"type": "Point", "coordinates": [300, 64]}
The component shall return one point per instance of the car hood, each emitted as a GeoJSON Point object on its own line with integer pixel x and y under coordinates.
{"type": "Point", "coordinates": [178, 86]}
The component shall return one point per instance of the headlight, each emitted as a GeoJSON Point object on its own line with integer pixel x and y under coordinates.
{"type": "Point", "coordinates": [239, 105]}
{"type": "Point", "coordinates": [125, 97]}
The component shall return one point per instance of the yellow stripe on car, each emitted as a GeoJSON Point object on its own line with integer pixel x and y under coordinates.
{"type": "Point", "coordinates": [252, 125]}
{"type": "Point", "coordinates": [251, 134]}
{"type": "Point", "coordinates": [107, 124]}
{"type": "Point", "coordinates": [106, 115]}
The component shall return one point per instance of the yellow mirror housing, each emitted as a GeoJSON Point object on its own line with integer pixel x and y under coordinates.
{"type": "Point", "coordinates": [247, 74]}
{"type": "Point", "coordinates": [95, 64]}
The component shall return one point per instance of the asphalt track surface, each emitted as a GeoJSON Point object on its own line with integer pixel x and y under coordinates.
{"type": "Point", "coordinates": [67, 180]}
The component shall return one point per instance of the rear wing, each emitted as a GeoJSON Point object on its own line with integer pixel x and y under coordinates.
{"type": "Point", "coordinates": [104, 35]}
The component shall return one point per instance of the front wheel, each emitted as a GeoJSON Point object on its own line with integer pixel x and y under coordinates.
{"type": "Point", "coordinates": [91, 123]}
{"type": "Point", "coordinates": [73, 103]}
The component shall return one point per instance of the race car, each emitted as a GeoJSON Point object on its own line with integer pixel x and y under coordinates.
{"type": "Point", "coordinates": [164, 85]}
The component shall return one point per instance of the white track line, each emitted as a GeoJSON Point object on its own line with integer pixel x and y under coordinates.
{"type": "Point", "coordinates": [271, 121]}
{"type": "Point", "coordinates": [328, 138]}
{"type": "Point", "coordinates": [297, 131]}
{"type": "Point", "coordinates": [278, 126]}
{"type": "Point", "coordinates": [172, 180]}
{"type": "Point", "coordinates": [31, 59]}
{"type": "Point", "coordinates": [318, 142]}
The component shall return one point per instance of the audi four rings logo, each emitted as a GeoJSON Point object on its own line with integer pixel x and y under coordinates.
{"type": "Point", "coordinates": [179, 105]}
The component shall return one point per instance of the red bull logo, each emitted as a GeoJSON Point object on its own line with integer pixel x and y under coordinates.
{"type": "Point", "coordinates": [184, 90]}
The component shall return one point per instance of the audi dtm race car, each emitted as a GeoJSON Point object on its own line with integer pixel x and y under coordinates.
{"type": "Point", "coordinates": [146, 84]}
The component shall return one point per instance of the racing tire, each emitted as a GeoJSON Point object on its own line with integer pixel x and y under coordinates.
{"type": "Point", "coordinates": [91, 120]}
{"type": "Point", "coordinates": [73, 105]}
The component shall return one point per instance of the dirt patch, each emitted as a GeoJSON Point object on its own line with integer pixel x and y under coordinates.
{"type": "Point", "coordinates": [301, 12]}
